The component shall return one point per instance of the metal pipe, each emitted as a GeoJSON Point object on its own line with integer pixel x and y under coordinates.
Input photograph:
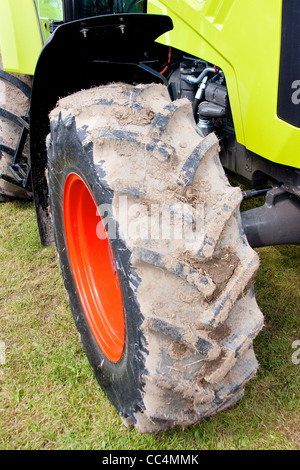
{"type": "Point", "coordinates": [196, 80]}
{"type": "Point", "coordinates": [250, 193]}
{"type": "Point", "coordinates": [277, 222]}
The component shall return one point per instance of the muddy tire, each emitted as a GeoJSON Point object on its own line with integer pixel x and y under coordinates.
{"type": "Point", "coordinates": [14, 101]}
{"type": "Point", "coordinates": [176, 248]}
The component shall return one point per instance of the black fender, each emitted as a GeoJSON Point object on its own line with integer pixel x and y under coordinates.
{"type": "Point", "coordinates": [79, 55]}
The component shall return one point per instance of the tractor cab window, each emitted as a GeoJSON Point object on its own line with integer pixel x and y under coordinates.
{"type": "Point", "coordinates": [76, 9]}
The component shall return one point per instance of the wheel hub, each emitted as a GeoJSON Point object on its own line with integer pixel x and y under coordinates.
{"type": "Point", "coordinates": [94, 267]}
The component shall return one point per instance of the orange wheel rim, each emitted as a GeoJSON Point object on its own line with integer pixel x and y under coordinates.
{"type": "Point", "coordinates": [93, 267]}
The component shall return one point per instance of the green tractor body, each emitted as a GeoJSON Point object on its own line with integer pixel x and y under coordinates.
{"type": "Point", "coordinates": [255, 114]}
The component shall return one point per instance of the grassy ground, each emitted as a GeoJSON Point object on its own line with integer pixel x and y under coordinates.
{"type": "Point", "coordinates": [49, 398]}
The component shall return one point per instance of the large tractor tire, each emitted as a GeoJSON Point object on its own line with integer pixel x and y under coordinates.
{"type": "Point", "coordinates": [167, 315]}
{"type": "Point", "coordinates": [14, 101]}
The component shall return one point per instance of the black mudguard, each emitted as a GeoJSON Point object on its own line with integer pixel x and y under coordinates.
{"type": "Point", "coordinates": [79, 55]}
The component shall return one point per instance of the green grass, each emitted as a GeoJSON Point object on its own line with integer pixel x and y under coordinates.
{"type": "Point", "coordinates": [49, 398]}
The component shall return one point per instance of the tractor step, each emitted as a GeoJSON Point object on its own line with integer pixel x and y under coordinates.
{"type": "Point", "coordinates": [20, 172]}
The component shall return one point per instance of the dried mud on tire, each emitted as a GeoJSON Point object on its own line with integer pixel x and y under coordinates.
{"type": "Point", "coordinates": [192, 299]}
{"type": "Point", "coordinates": [12, 100]}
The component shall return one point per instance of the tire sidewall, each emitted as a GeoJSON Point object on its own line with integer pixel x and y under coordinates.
{"type": "Point", "coordinates": [121, 381]}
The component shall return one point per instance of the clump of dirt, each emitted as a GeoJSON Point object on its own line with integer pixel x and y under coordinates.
{"type": "Point", "coordinates": [220, 333]}
{"type": "Point", "coordinates": [178, 350]}
{"type": "Point", "coordinates": [194, 195]}
{"type": "Point", "coordinates": [219, 268]}
{"type": "Point", "coordinates": [185, 194]}
{"type": "Point", "coordinates": [132, 115]}
{"type": "Point", "coordinates": [211, 367]}
{"type": "Point", "coordinates": [215, 334]}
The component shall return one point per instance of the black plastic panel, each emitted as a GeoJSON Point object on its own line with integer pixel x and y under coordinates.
{"type": "Point", "coordinates": [79, 55]}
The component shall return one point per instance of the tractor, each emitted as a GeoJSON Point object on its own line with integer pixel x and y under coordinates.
{"type": "Point", "coordinates": [131, 124]}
